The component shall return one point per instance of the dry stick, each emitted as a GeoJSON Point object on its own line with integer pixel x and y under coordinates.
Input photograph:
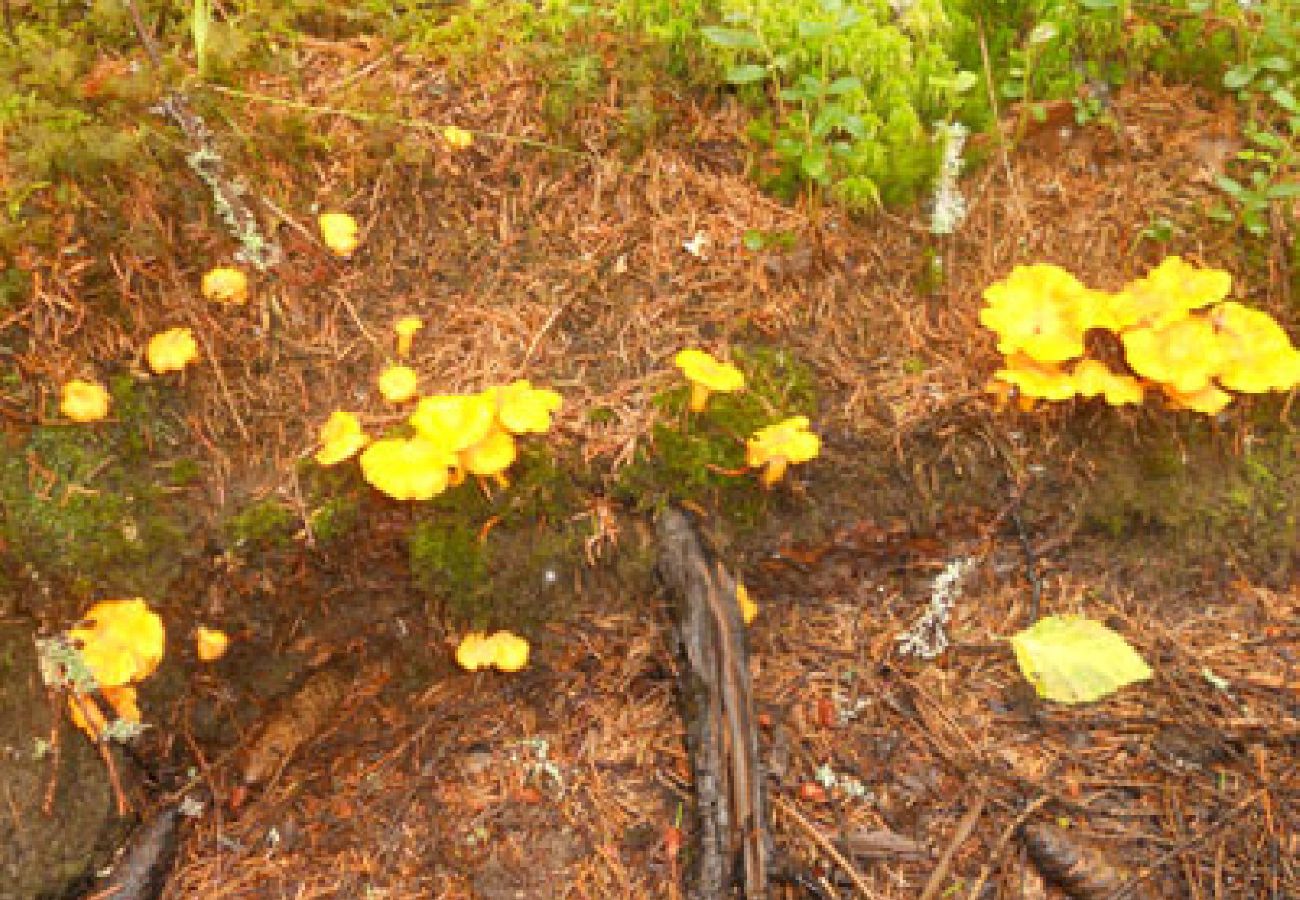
{"type": "Point", "coordinates": [964, 828]}
{"type": "Point", "coordinates": [825, 844]}
{"type": "Point", "coordinates": [996, 850]}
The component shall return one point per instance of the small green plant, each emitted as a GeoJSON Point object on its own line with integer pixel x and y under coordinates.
{"type": "Point", "coordinates": [847, 93]}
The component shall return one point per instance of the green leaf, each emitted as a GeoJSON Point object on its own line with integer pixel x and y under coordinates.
{"type": "Point", "coordinates": [811, 31]}
{"type": "Point", "coordinates": [731, 38]}
{"type": "Point", "coordinates": [1285, 99]}
{"type": "Point", "coordinates": [746, 74]}
{"type": "Point", "coordinates": [1238, 77]}
{"type": "Point", "coordinates": [1275, 64]}
{"type": "Point", "coordinates": [1042, 33]}
{"type": "Point", "coordinates": [1284, 191]}
{"type": "Point", "coordinates": [1230, 186]}
{"type": "Point", "coordinates": [1099, 4]}
{"type": "Point", "coordinates": [1069, 659]}
{"type": "Point", "coordinates": [964, 82]}
{"type": "Point", "coordinates": [753, 240]}
{"type": "Point", "coordinates": [844, 85]}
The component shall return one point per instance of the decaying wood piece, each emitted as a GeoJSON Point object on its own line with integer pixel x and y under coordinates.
{"type": "Point", "coordinates": [718, 706]}
{"type": "Point", "coordinates": [146, 862]}
{"type": "Point", "coordinates": [297, 719]}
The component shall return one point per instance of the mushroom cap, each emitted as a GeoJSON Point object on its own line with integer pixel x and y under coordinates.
{"type": "Point", "coordinates": [408, 325]}
{"type": "Point", "coordinates": [121, 641]}
{"type": "Point", "coordinates": [457, 138]}
{"type": "Point", "coordinates": [84, 401]}
{"type": "Point", "coordinates": [1039, 380]}
{"type": "Point", "coordinates": [1092, 377]}
{"type": "Point", "coordinates": [789, 440]}
{"type": "Point", "coordinates": [340, 437]}
{"type": "Point", "coordinates": [1184, 354]}
{"type": "Point", "coordinates": [338, 231]}
{"type": "Point", "coordinates": [1257, 353]}
{"type": "Point", "coordinates": [1168, 293]}
{"type": "Point", "coordinates": [522, 408]}
{"type": "Point", "coordinates": [224, 284]}
{"type": "Point", "coordinates": [210, 643]}
{"type": "Point", "coordinates": [704, 369]}
{"type": "Point", "coordinates": [475, 651]}
{"type": "Point", "coordinates": [454, 421]}
{"type": "Point", "coordinates": [748, 607]}
{"type": "Point", "coordinates": [1043, 312]}
{"type": "Point", "coordinates": [490, 456]}
{"type": "Point", "coordinates": [1209, 399]}
{"type": "Point", "coordinates": [171, 350]}
{"type": "Point", "coordinates": [398, 384]}
{"type": "Point", "coordinates": [509, 651]}
{"type": "Point", "coordinates": [407, 468]}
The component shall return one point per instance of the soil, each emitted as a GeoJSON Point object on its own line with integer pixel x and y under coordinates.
{"type": "Point", "coordinates": [569, 779]}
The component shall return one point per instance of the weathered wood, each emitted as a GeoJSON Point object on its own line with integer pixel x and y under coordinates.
{"type": "Point", "coordinates": [718, 707]}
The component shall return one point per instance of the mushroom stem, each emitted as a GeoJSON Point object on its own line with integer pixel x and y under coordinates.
{"type": "Point", "coordinates": [404, 339]}
{"type": "Point", "coordinates": [775, 470]}
{"type": "Point", "coordinates": [699, 396]}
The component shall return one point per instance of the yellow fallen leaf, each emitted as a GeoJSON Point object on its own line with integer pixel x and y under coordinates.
{"type": "Point", "coordinates": [1070, 659]}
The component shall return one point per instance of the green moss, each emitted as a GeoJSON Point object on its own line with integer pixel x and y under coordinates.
{"type": "Point", "coordinates": [335, 519]}
{"type": "Point", "coordinates": [701, 457]}
{"type": "Point", "coordinates": [263, 524]}
{"type": "Point", "coordinates": [74, 512]}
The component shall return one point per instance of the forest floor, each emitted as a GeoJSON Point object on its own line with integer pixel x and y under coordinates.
{"type": "Point", "coordinates": [889, 776]}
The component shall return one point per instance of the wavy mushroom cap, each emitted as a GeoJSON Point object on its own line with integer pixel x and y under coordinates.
{"type": "Point", "coordinates": [340, 438]}
{"type": "Point", "coordinates": [788, 440]}
{"type": "Point", "coordinates": [1094, 378]}
{"type": "Point", "coordinates": [397, 384]}
{"type": "Point", "coordinates": [1257, 353]}
{"type": "Point", "coordinates": [84, 401]}
{"type": "Point", "coordinates": [121, 641]}
{"type": "Point", "coordinates": [1042, 312]}
{"type": "Point", "coordinates": [509, 651]}
{"type": "Point", "coordinates": [704, 369]}
{"type": "Point", "coordinates": [225, 285]}
{"type": "Point", "coordinates": [490, 456]}
{"type": "Point", "coordinates": [1184, 354]}
{"type": "Point", "coordinates": [171, 350]}
{"type": "Point", "coordinates": [454, 421]}
{"type": "Point", "coordinates": [1168, 293]}
{"type": "Point", "coordinates": [407, 468]}
{"type": "Point", "coordinates": [522, 408]}
{"type": "Point", "coordinates": [339, 232]}
{"type": "Point", "coordinates": [475, 652]}
{"type": "Point", "coordinates": [1209, 400]}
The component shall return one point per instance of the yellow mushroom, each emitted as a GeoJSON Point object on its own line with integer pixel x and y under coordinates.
{"type": "Point", "coordinates": [340, 437]}
{"type": "Point", "coordinates": [777, 446]}
{"type": "Point", "coordinates": [1035, 380]}
{"type": "Point", "coordinates": [1208, 400]}
{"type": "Point", "coordinates": [707, 375]}
{"type": "Point", "coordinates": [398, 384]}
{"type": "Point", "coordinates": [1094, 378]}
{"type": "Point", "coordinates": [509, 651]}
{"type": "Point", "coordinates": [748, 608]}
{"type": "Point", "coordinates": [454, 421]}
{"type": "Point", "coordinates": [1185, 354]}
{"type": "Point", "coordinates": [406, 328]}
{"type": "Point", "coordinates": [225, 285]}
{"type": "Point", "coordinates": [490, 456]}
{"type": "Point", "coordinates": [522, 408]}
{"type": "Point", "coordinates": [121, 641]}
{"type": "Point", "coordinates": [457, 138]}
{"type": "Point", "coordinates": [84, 401]}
{"type": "Point", "coordinates": [407, 469]}
{"type": "Point", "coordinates": [475, 652]}
{"type": "Point", "coordinates": [210, 643]}
{"type": "Point", "coordinates": [1257, 353]}
{"type": "Point", "coordinates": [1043, 312]}
{"type": "Point", "coordinates": [1167, 294]}
{"type": "Point", "coordinates": [171, 350]}
{"type": "Point", "coordinates": [338, 231]}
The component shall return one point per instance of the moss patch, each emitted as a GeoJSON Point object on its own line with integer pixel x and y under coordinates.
{"type": "Point", "coordinates": [700, 457]}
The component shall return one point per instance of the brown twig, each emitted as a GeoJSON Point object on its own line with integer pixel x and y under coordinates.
{"type": "Point", "coordinates": [964, 828]}
{"type": "Point", "coordinates": [827, 846]}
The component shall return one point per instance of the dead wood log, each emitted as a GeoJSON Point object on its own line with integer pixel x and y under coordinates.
{"type": "Point", "coordinates": [714, 682]}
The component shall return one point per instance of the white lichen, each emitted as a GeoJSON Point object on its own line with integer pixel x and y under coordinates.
{"type": "Point", "coordinates": [949, 206]}
{"type": "Point", "coordinates": [927, 638]}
